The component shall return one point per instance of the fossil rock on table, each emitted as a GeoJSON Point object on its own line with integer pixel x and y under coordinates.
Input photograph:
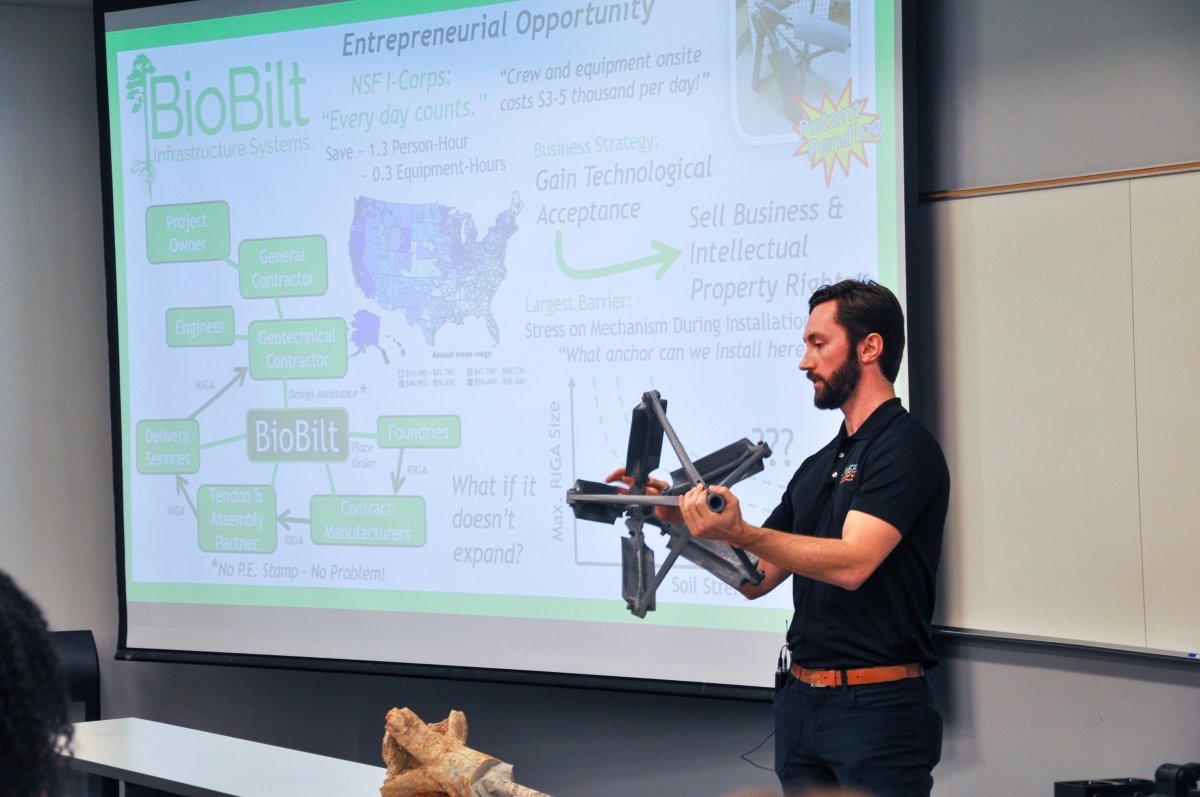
{"type": "Point", "coordinates": [434, 761]}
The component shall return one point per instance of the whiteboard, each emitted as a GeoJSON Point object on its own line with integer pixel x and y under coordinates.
{"type": "Point", "coordinates": [1061, 380]}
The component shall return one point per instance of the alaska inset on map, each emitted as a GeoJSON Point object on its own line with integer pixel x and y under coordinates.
{"type": "Point", "coordinates": [428, 261]}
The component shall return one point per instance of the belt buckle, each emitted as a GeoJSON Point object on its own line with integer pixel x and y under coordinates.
{"type": "Point", "coordinates": [814, 683]}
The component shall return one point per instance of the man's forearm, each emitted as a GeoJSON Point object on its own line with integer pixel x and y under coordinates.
{"type": "Point", "coordinates": [845, 562]}
{"type": "Point", "coordinates": [830, 560]}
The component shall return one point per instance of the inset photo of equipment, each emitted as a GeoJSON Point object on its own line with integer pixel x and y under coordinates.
{"type": "Point", "coordinates": [785, 51]}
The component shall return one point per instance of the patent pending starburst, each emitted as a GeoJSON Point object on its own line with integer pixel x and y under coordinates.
{"type": "Point", "coordinates": [836, 131]}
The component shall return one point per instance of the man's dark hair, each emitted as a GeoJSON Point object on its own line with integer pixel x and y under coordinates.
{"type": "Point", "coordinates": [863, 308]}
{"type": "Point", "coordinates": [35, 722]}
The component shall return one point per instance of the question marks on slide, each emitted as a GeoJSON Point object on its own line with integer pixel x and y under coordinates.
{"type": "Point", "coordinates": [520, 548]}
{"type": "Point", "coordinates": [775, 434]}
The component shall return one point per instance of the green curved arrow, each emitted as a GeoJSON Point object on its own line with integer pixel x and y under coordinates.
{"type": "Point", "coordinates": [238, 380]}
{"type": "Point", "coordinates": [666, 255]}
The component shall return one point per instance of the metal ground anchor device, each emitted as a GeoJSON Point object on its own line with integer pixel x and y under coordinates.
{"type": "Point", "coordinates": [605, 503]}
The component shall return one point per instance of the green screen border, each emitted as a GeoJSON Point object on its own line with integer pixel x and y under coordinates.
{"type": "Point", "coordinates": [281, 21]}
{"type": "Point", "coordinates": [733, 618]}
{"type": "Point", "coordinates": [887, 155]}
{"type": "Point", "coordinates": [118, 182]}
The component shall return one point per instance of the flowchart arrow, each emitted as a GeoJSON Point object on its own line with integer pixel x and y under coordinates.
{"type": "Point", "coordinates": [286, 519]}
{"type": "Point", "coordinates": [397, 479]}
{"type": "Point", "coordinates": [180, 484]}
{"type": "Point", "coordinates": [239, 379]}
{"type": "Point", "coordinates": [664, 258]}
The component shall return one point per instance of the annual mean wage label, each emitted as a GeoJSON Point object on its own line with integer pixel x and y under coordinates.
{"type": "Point", "coordinates": [237, 518]}
{"type": "Point", "coordinates": [283, 267]}
{"type": "Point", "coordinates": [169, 446]}
{"type": "Point", "coordinates": [200, 326]}
{"type": "Point", "coordinates": [187, 233]}
{"type": "Point", "coordinates": [308, 348]}
{"type": "Point", "coordinates": [368, 520]}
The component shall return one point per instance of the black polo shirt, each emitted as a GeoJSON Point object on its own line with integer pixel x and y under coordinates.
{"type": "Point", "coordinates": [891, 468]}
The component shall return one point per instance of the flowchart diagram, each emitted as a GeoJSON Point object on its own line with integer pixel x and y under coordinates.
{"type": "Point", "coordinates": [245, 518]}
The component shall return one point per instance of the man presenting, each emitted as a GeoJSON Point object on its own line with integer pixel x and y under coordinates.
{"type": "Point", "coordinates": [860, 528]}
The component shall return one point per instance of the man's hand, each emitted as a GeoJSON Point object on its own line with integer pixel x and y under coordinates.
{"type": "Point", "coordinates": [728, 527]}
{"type": "Point", "coordinates": [703, 522]}
{"type": "Point", "coordinates": [653, 487]}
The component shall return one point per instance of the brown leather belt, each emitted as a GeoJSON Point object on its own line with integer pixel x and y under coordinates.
{"type": "Point", "coordinates": [865, 675]}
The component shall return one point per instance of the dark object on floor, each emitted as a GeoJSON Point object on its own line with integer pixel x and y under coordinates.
{"type": "Point", "coordinates": [1176, 779]}
{"type": "Point", "coordinates": [1112, 787]}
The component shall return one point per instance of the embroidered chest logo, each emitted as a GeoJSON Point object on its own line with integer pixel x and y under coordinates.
{"type": "Point", "coordinates": [848, 476]}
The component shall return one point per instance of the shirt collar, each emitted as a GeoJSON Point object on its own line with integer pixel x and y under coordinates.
{"type": "Point", "coordinates": [882, 415]}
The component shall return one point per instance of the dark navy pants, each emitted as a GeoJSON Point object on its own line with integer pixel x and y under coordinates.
{"type": "Point", "coordinates": [884, 739]}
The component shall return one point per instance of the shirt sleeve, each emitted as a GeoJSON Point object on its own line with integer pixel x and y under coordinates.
{"type": "Point", "coordinates": [903, 475]}
{"type": "Point", "coordinates": [782, 517]}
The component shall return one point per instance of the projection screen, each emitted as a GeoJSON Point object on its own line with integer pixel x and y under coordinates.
{"type": "Point", "coordinates": [388, 277]}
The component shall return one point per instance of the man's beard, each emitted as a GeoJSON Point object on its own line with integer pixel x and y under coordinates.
{"type": "Point", "coordinates": [840, 387]}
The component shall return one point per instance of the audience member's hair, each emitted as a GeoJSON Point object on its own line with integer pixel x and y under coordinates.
{"type": "Point", "coordinates": [34, 720]}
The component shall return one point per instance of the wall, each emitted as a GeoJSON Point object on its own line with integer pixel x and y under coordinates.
{"type": "Point", "coordinates": [1065, 412]}
{"type": "Point", "coordinates": [55, 446]}
{"type": "Point", "coordinates": [1017, 717]}
{"type": "Point", "coordinates": [1024, 90]}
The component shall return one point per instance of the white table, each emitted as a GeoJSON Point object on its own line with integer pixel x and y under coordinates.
{"type": "Point", "coordinates": [198, 764]}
